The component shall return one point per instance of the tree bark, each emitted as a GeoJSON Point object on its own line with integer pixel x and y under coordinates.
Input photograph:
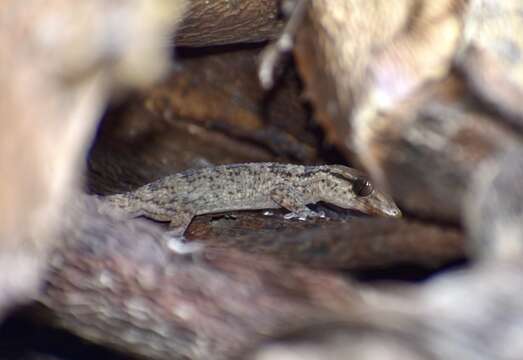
{"type": "Point", "coordinates": [222, 22]}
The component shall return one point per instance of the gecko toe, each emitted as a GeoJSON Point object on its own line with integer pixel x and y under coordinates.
{"type": "Point", "coordinates": [303, 215]}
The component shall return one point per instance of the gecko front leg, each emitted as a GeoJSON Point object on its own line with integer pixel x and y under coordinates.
{"type": "Point", "coordinates": [295, 202]}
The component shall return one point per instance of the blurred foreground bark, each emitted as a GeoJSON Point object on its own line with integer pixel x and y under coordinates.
{"type": "Point", "coordinates": [120, 284]}
{"type": "Point", "coordinates": [59, 62]}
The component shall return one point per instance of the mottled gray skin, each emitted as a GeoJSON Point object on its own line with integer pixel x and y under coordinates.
{"type": "Point", "coordinates": [180, 197]}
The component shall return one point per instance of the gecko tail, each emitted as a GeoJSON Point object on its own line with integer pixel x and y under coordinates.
{"type": "Point", "coordinates": [119, 202]}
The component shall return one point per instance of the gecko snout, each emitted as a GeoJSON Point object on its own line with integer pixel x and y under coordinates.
{"type": "Point", "coordinates": [393, 211]}
{"type": "Point", "coordinates": [385, 206]}
{"type": "Point", "coordinates": [382, 205]}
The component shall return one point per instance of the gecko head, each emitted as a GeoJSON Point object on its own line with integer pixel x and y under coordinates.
{"type": "Point", "coordinates": [351, 189]}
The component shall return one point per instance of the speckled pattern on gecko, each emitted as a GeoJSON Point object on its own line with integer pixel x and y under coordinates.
{"type": "Point", "coordinates": [178, 198]}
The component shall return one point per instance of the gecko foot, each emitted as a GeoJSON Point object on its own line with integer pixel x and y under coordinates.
{"type": "Point", "coordinates": [304, 214]}
{"type": "Point", "coordinates": [177, 233]}
{"type": "Point", "coordinates": [180, 245]}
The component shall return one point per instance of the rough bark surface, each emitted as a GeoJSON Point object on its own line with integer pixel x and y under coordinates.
{"type": "Point", "coordinates": [222, 22]}
{"type": "Point", "coordinates": [117, 283]}
{"type": "Point", "coordinates": [351, 244]}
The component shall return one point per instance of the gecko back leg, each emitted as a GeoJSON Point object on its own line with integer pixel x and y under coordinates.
{"type": "Point", "coordinates": [293, 201]}
{"type": "Point", "coordinates": [175, 237]}
{"type": "Point", "coordinates": [180, 222]}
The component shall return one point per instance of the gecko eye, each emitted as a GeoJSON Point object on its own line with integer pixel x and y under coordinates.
{"type": "Point", "coordinates": [362, 187]}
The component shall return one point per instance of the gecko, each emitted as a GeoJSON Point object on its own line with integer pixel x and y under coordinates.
{"type": "Point", "coordinates": [178, 198]}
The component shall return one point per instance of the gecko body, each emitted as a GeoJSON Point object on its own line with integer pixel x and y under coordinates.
{"type": "Point", "coordinates": [178, 198]}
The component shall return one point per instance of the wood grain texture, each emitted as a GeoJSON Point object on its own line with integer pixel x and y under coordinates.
{"type": "Point", "coordinates": [220, 22]}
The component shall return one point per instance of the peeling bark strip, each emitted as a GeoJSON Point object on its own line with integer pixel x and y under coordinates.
{"type": "Point", "coordinates": [220, 22]}
{"type": "Point", "coordinates": [354, 244]}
